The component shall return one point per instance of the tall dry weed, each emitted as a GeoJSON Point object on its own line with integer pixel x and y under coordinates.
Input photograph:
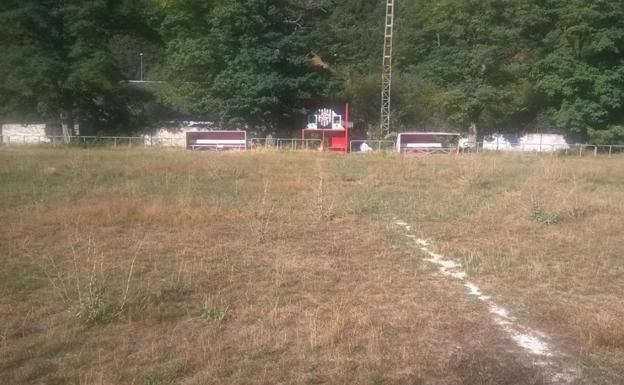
{"type": "Point", "coordinates": [263, 217]}
{"type": "Point", "coordinates": [87, 286]}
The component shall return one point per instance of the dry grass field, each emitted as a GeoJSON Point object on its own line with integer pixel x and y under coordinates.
{"type": "Point", "coordinates": [148, 267]}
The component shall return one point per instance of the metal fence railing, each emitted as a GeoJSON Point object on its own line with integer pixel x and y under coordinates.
{"type": "Point", "coordinates": [596, 150]}
{"type": "Point", "coordinates": [520, 147]}
{"type": "Point", "coordinates": [386, 145]}
{"type": "Point", "coordinates": [288, 144]}
{"type": "Point", "coordinates": [546, 148]}
{"type": "Point", "coordinates": [165, 142]}
{"type": "Point", "coordinates": [114, 141]}
{"type": "Point", "coordinates": [284, 144]}
{"type": "Point", "coordinates": [431, 150]}
{"type": "Point", "coordinates": [24, 139]}
{"type": "Point", "coordinates": [367, 146]}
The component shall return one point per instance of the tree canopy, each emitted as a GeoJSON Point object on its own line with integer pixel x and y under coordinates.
{"type": "Point", "coordinates": [58, 60]}
{"type": "Point", "coordinates": [495, 65]}
{"type": "Point", "coordinates": [246, 61]}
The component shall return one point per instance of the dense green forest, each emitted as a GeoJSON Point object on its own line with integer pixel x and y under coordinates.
{"type": "Point", "coordinates": [498, 65]}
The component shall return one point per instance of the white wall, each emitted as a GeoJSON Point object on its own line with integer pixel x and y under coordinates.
{"type": "Point", "coordinates": [527, 142]}
{"type": "Point", "coordinates": [26, 134]}
{"type": "Point", "coordinates": [545, 142]}
{"type": "Point", "coordinates": [165, 136]}
{"type": "Point", "coordinates": [175, 136]}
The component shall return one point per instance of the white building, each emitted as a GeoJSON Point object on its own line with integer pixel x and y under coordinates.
{"type": "Point", "coordinates": [24, 133]}
{"type": "Point", "coordinates": [527, 142]}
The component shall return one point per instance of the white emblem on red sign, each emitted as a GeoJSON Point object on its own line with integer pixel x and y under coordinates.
{"type": "Point", "coordinates": [325, 117]}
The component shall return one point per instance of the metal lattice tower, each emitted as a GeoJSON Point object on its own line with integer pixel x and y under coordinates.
{"type": "Point", "coordinates": [386, 77]}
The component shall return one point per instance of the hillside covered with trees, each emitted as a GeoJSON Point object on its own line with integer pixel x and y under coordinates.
{"type": "Point", "coordinates": [498, 65]}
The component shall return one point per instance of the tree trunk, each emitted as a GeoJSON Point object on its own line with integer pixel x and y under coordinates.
{"type": "Point", "coordinates": [67, 125]}
{"type": "Point", "coordinates": [473, 135]}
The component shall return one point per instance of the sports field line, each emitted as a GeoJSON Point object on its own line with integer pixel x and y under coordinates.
{"type": "Point", "coordinates": [533, 342]}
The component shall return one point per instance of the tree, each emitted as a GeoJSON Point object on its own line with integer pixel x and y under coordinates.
{"type": "Point", "coordinates": [245, 61]}
{"type": "Point", "coordinates": [459, 64]}
{"type": "Point", "coordinates": [472, 56]}
{"type": "Point", "coordinates": [582, 68]}
{"type": "Point", "coordinates": [57, 59]}
{"type": "Point", "coordinates": [350, 35]}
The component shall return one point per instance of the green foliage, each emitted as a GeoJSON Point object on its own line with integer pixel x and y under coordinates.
{"type": "Point", "coordinates": [212, 314]}
{"type": "Point", "coordinates": [362, 89]}
{"type": "Point", "coordinates": [613, 134]}
{"type": "Point", "coordinates": [246, 63]}
{"type": "Point", "coordinates": [58, 62]}
{"type": "Point", "coordinates": [495, 64]}
{"type": "Point", "coordinates": [582, 68]}
{"type": "Point", "coordinates": [349, 35]}
{"type": "Point", "coordinates": [470, 57]}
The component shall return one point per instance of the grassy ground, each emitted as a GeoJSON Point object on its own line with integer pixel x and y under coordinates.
{"type": "Point", "coordinates": [173, 267]}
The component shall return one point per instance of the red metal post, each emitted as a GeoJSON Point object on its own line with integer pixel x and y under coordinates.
{"type": "Point", "coordinates": [347, 144]}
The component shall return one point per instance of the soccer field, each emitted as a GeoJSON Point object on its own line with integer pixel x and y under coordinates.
{"type": "Point", "coordinates": [131, 266]}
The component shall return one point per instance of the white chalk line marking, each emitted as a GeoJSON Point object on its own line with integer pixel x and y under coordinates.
{"type": "Point", "coordinates": [531, 341]}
